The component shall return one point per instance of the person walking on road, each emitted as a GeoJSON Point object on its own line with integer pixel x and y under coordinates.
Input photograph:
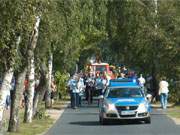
{"type": "Point", "coordinates": [73, 92]}
{"type": "Point", "coordinates": [81, 88]}
{"type": "Point", "coordinates": [89, 89]}
{"type": "Point", "coordinates": [163, 92]}
{"type": "Point", "coordinates": [141, 81]}
{"type": "Point", "coordinates": [99, 84]}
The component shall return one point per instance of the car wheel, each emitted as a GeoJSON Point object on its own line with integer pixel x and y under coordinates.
{"type": "Point", "coordinates": [148, 120]}
{"type": "Point", "coordinates": [103, 121]}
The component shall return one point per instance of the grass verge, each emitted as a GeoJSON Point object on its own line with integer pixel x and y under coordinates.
{"type": "Point", "coordinates": [174, 112]}
{"type": "Point", "coordinates": [41, 125]}
{"type": "Point", "coordinates": [37, 126]}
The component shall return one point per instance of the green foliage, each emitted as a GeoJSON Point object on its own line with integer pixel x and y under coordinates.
{"type": "Point", "coordinates": [118, 31]}
{"type": "Point", "coordinates": [135, 41]}
{"type": "Point", "coordinates": [14, 23]}
{"type": "Point", "coordinates": [61, 82]}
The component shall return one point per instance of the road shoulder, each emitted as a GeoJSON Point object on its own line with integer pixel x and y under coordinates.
{"type": "Point", "coordinates": [56, 112]}
{"type": "Point", "coordinates": [173, 111]}
{"type": "Point", "coordinates": [174, 114]}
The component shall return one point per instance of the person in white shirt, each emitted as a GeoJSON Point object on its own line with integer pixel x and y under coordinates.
{"type": "Point", "coordinates": [81, 88]}
{"type": "Point", "coordinates": [141, 80]}
{"type": "Point", "coordinates": [163, 92]}
{"type": "Point", "coordinates": [74, 91]}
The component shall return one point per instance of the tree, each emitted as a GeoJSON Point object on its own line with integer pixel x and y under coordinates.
{"type": "Point", "coordinates": [12, 25]}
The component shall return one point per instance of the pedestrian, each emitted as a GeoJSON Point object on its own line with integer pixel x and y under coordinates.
{"type": "Point", "coordinates": [10, 93]}
{"type": "Point", "coordinates": [124, 70]}
{"type": "Point", "coordinates": [8, 100]}
{"type": "Point", "coordinates": [25, 92]}
{"type": "Point", "coordinates": [81, 88]}
{"type": "Point", "coordinates": [105, 84]}
{"type": "Point", "coordinates": [73, 92]}
{"type": "Point", "coordinates": [90, 88]}
{"type": "Point", "coordinates": [141, 81]}
{"type": "Point", "coordinates": [53, 91]}
{"type": "Point", "coordinates": [99, 84]}
{"type": "Point", "coordinates": [163, 92]}
{"type": "Point", "coordinates": [70, 89]}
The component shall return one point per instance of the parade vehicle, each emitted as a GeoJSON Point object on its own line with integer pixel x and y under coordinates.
{"type": "Point", "coordinates": [123, 100]}
{"type": "Point", "coordinates": [100, 68]}
{"type": "Point", "coordinates": [97, 68]}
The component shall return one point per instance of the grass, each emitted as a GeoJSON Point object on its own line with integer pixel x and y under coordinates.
{"type": "Point", "coordinates": [37, 126]}
{"type": "Point", "coordinates": [58, 104]}
{"type": "Point", "coordinates": [174, 112]}
{"type": "Point", "coordinates": [34, 128]}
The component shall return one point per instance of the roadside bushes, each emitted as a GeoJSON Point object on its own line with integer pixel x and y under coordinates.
{"type": "Point", "coordinates": [61, 82]}
{"type": "Point", "coordinates": [174, 95]}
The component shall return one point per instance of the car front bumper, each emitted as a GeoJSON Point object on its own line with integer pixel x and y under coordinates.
{"type": "Point", "coordinates": [118, 115]}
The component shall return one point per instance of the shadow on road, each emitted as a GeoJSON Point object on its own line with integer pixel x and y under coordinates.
{"type": "Point", "coordinates": [112, 123]}
{"type": "Point", "coordinates": [85, 123]}
{"type": "Point", "coordinates": [87, 113]}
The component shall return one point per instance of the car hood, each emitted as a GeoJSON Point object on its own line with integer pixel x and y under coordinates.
{"type": "Point", "coordinates": [126, 101]}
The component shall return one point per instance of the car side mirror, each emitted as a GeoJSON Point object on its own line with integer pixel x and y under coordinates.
{"type": "Point", "coordinates": [100, 97]}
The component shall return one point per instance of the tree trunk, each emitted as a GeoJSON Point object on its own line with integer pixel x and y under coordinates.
{"type": "Point", "coordinates": [15, 101]}
{"type": "Point", "coordinates": [30, 93]}
{"type": "Point", "coordinates": [40, 90]}
{"type": "Point", "coordinates": [154, 82]}
{"type": "Point", "coordinates": [48, 92]}
{"type": "Point", "coordinates": [31, 74]}
{"type": "Point", "coordinates": [6, 86]}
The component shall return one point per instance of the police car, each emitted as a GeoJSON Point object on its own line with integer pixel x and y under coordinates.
{"type": "Point", "coordinates": [124, 99]}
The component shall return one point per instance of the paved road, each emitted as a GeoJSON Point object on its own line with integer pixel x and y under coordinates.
{"type": "Point", "coordinates": [84, 121]}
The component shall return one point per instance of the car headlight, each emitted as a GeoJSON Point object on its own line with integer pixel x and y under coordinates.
{"type": "Point", "coordinates": [142, 108]}
{"type": "Point", "coordinates": [109, 106]}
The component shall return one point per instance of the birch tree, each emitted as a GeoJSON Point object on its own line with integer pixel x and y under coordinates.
{"type": "Point", "coordinates": [14, 121]}
{"type": "Point", "coordinates": [15, 25]}
{"type": "Point", "coordinates": [31, 72]}
{"type": "Point", "coordinates": [6, 84]}
{"type": "Point", "coordinates": [41, 88]}
{"type": "Point", "coordinates": [48, 92]}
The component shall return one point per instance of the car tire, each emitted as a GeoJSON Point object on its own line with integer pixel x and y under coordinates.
{"type": "Point", "coordinates": [103, 121]}
{"type": "Point", "coordinates": [148, 120]}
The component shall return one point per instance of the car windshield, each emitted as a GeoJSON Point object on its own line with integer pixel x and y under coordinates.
{"type": "Point", "coordinates": [100, 68]}
{"type": "Point", "coordinates": [124, 93]}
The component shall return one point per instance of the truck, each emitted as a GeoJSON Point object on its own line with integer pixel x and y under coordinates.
{"type": "Point", "coordinates": [97, 68]}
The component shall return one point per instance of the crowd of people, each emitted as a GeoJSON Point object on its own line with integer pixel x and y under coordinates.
{"type": "Point", "coordinates": [89, 85]}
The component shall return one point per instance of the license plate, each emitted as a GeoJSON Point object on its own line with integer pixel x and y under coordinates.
{"type": "Point", "coordinates": [127, 113]}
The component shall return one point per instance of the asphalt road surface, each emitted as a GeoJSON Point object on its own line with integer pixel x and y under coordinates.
{"type": "Point", "coordinates": [85, 121]}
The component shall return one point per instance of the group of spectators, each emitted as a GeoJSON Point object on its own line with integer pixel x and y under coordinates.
{"type": "Point", "coordinates": [147, 85]}
{"type": "Point", "coordinates": [23, 98]}
{"type": "Point", "coordinates": [76, 88]}
{"type": "Point", "coordinates": [90, 85]}
{"type": "Point", "coordinates": [86, 85]}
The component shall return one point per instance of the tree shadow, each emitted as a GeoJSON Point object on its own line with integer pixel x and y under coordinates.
{"type": "Point", "coordinates": [57, 108]}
